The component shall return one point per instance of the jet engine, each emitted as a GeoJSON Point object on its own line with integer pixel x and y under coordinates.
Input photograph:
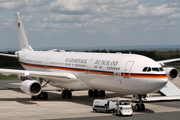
{"type": "Point", "coordinates": [31, 87]}
{"type": "Point", "coordinates": [171, 72]}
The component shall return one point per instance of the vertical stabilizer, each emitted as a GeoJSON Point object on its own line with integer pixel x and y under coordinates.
{"type": "Point", "coordinates": [23, 41]}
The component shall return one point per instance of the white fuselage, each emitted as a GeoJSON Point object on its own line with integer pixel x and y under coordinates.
{"type": "Point", "coordinates": [121, 73]}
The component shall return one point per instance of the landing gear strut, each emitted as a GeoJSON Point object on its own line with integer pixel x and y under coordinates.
{"type": "Point", "coordinates": [140, 106]}
{"type": "Point", "coordinates": [96, 93]}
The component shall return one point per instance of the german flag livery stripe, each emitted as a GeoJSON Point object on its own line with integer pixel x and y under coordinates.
{"type": "Point", "coordinates": [136, 75]}
{"type": "Point", "coordinates": [32, 65]}
{"type": "Point", "coordinates": [70, 69]}
{"type": "Point", "coordinates": [110, 73]}
{"type": "Point", "coordinates": [101, 72]}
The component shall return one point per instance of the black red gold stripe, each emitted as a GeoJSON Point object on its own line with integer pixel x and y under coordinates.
{"type": "Point", "coordinates": [70, 69]}
{"type": "Point", "coordinates": [126, 75]}
{"type": "Point", "coordinates": [136, 75]}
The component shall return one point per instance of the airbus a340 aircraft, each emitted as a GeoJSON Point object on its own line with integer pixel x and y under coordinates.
{"type": "Point", "coordinates": [127, 74]}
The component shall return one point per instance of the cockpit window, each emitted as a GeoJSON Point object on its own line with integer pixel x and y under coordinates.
{"type": "Point", "coordinates": [145, 69]}
{"type": "Point", "coordinates": [149, 69]}
{"type": "Point", "coordinates": [155, 69]}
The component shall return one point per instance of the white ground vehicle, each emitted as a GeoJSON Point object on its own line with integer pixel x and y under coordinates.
{"type": "Point", "coordinates": [123, 107]}
{"type": "Point", "coordinates": [120, 106]}
{"type": "Point", "coordinates": [104, 105]}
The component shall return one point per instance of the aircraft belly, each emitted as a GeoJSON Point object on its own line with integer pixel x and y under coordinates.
{"type": "Point", "coordinates": [101, 82]}
{"type": "Point", "coordinates": [72, 86]}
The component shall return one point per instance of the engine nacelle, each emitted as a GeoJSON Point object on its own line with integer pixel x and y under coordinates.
{"type": "Point", "coordinates": [172, 72]}
{"type": "Point", "coordinates": [31, 87]}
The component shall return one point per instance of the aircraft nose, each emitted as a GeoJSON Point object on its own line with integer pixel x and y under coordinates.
{"type": "Point", "coordinates": [160, 83]}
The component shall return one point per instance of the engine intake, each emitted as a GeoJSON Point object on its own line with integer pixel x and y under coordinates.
{"type": "Point", "coordinates": [172, 72]}
{"type": "Point", "coordinates": [31, 87]}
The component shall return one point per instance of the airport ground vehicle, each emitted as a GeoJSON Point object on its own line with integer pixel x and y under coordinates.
{"type": "Point", "coordinates": [123, 107]}
{"type": "Point", "coordinates": [120, 106]}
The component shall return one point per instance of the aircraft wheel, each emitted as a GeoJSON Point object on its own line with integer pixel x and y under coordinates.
{"type": "Point", "coordinates": [96, 93]}
{"type": "Point", "coordinates": [102, 93]}
{"type": "Point", "coordinates": [137, 107]}
{"type": "Point", "coordinates": [63, 94]}
{"type": "Point", "coordinates": [45, 95]}
{"type": "Point", "coordinates": [33, 97]}
{"type": "Point", "coordinates": [90, 93]}
{"type": "Point", "coordinates": [142, 107]}
{"type": "Point", "coordinates": [69, 93]}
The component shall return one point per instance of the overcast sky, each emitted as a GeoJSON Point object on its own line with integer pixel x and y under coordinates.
{"type": "Point", "coordinates": [84, 23]}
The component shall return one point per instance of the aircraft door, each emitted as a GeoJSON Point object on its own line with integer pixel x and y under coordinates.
{"type": "Point", "coordinates": [127, 70]}
{"type": "Point", "coordinates": [88, 66]}
{"type": "Point", "coordinates": [46, 63]}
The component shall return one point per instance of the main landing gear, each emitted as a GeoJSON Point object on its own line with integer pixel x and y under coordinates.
{"type": "Point", "coordinates": [42, 95]}
{"type": "Point", "coordinates": [140, 106]}
{"type": "Point", "coordinates": [66, 93]}
{"type": "Point", "coordinates": [96, 93]}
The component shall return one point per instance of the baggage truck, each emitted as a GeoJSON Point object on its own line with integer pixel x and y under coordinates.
{"type": "Point", "coordinates": [104, 105]}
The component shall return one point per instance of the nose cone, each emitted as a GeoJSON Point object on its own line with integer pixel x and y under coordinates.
{"type": "Point", "coordinates": [159, 84]}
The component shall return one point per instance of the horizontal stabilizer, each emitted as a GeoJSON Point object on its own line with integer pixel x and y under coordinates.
{"type": "Point", "coordinates": [8, 55]}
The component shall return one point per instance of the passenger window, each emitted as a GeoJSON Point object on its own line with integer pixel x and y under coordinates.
{"type": "Point", "coordinates": [149, 69]}
{"type": "Point", "coordinates": [145, 69]}
{"type": "Point", "coordinates": [155, 69]}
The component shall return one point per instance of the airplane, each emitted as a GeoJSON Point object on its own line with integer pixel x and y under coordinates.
{"type": "Point", "coordinates": [125, 74]}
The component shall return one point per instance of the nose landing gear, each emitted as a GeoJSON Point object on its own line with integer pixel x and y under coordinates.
{"type": "Point", "coordinates": [140, 105]}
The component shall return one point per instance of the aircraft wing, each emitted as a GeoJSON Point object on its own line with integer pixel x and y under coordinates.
{"type": "Point", "coordinates": [56, 76]}
{"type": "Point", "coordinates": [162, 62]}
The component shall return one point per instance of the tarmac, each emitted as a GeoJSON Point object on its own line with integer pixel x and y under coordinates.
{"type": "Point", "coordinates": [16, 105]}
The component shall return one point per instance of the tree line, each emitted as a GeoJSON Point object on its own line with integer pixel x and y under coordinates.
{"type": "Point", "coordinates": [9, 62]}
{"type": "Point", "coordinates": [154, 54]}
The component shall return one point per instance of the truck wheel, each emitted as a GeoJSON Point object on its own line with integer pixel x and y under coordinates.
{"type": "Point", "coordinates": [120, 113]}
{"type": "Point", "coordinates": [116, 112]}
{"type": "Point", "coordinates": [94, 110]}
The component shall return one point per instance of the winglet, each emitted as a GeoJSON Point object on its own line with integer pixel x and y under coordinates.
{"type": "Point", "coordinates": [23, 40]}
